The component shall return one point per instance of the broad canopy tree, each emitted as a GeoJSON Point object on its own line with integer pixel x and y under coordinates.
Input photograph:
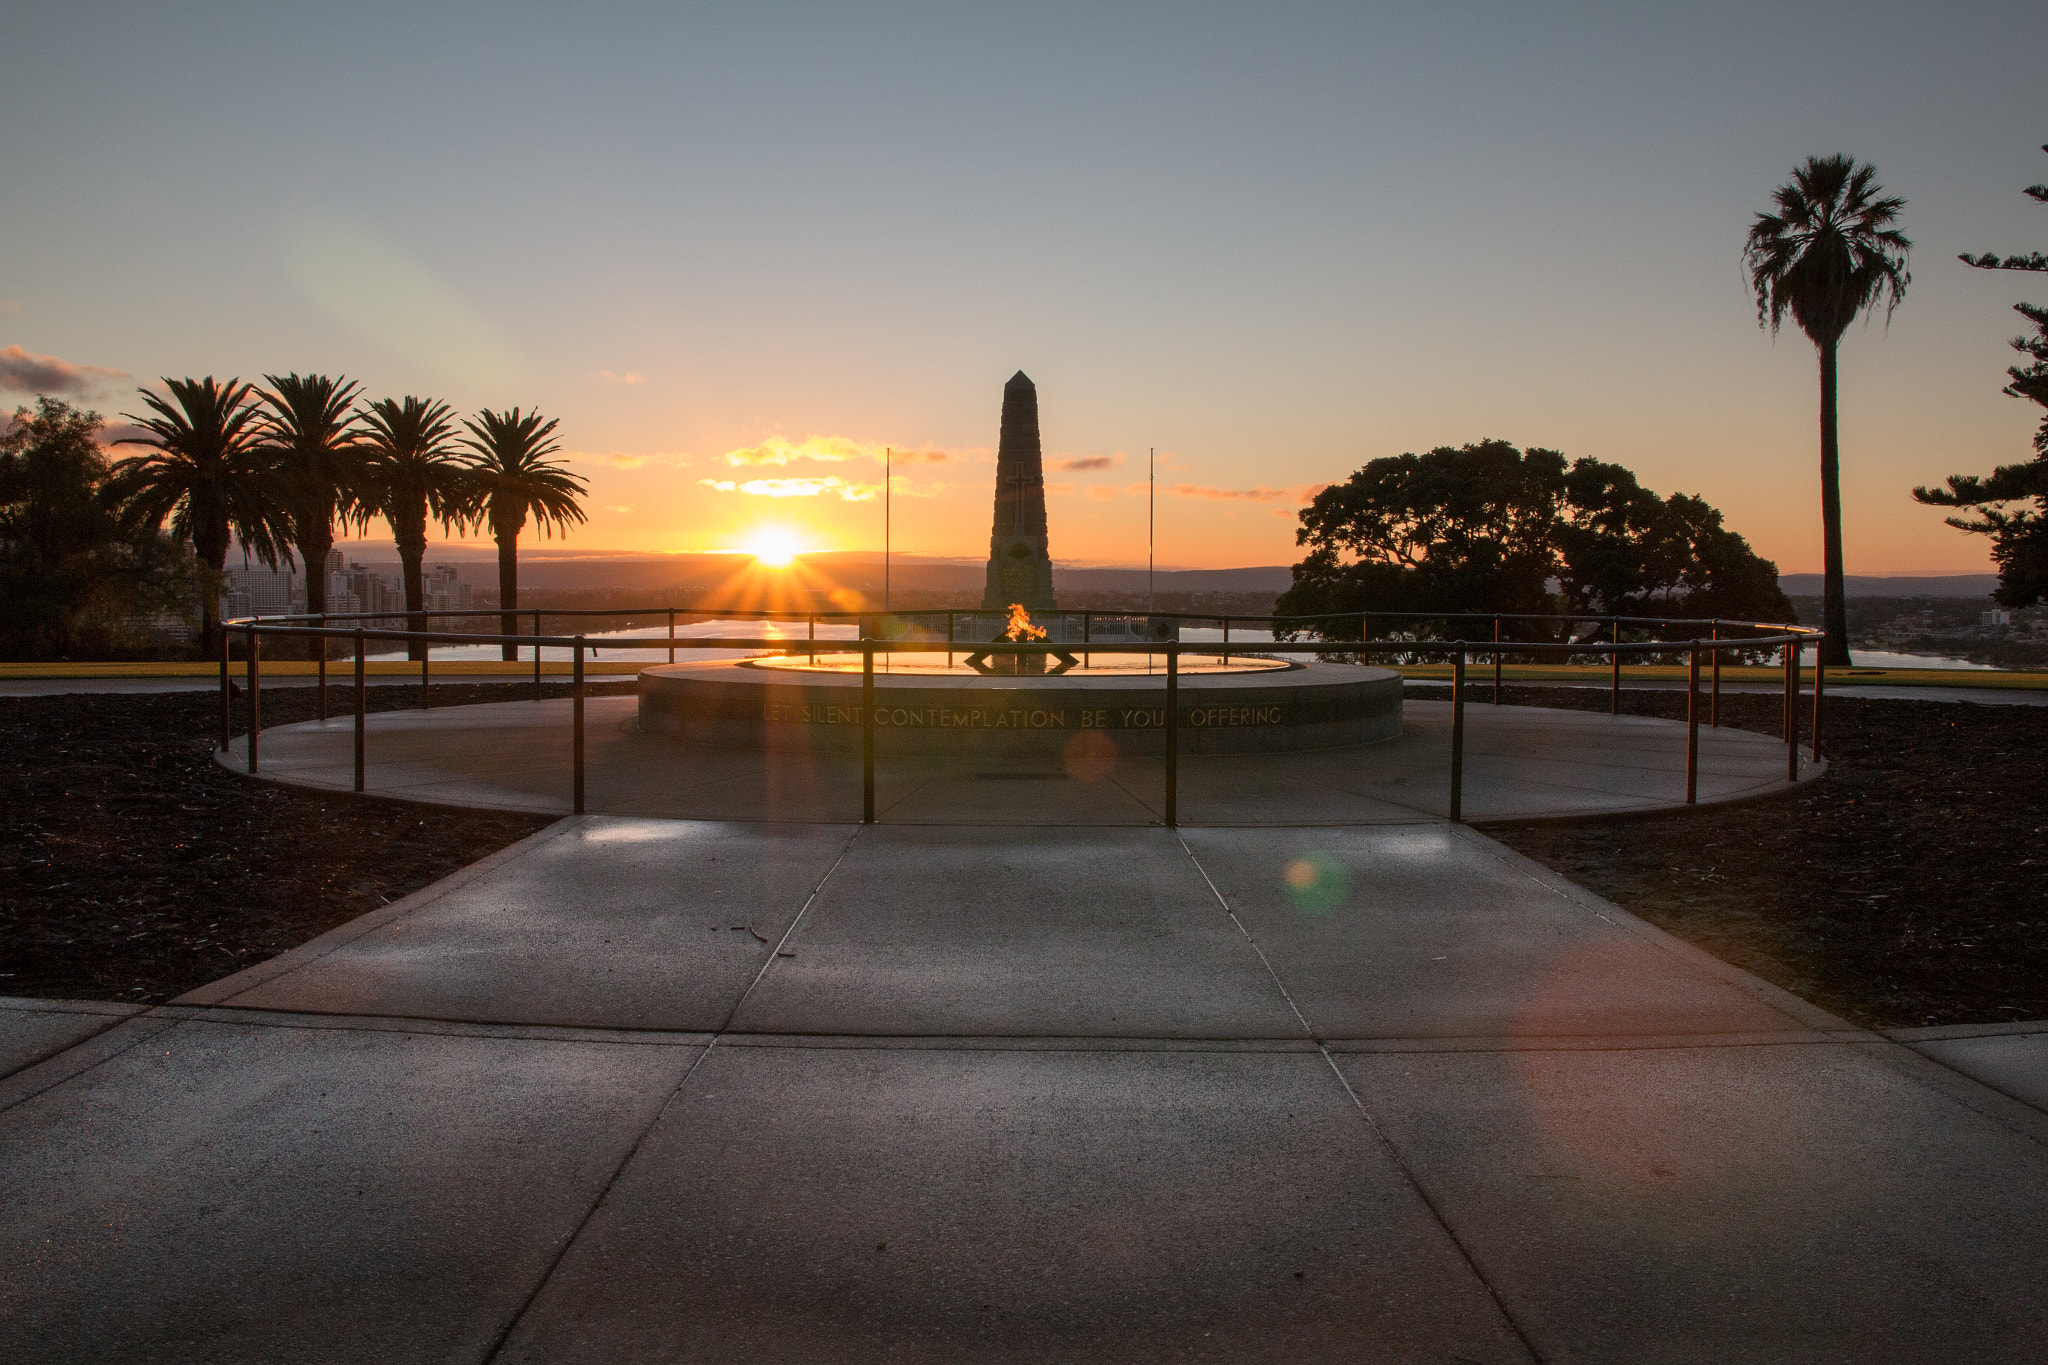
{"type": "Point", "coordinates": [2019, 535]}
{"type": "Point", "coordinates": [71, 573]}
{"type": "Point", "coordinates": [1489, 528]}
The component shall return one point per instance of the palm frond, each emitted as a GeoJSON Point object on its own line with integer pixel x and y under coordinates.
{"type": "Point", "coordinates": [208, 473]}
{"type": "Point", "coordinates": [1830, 251]}
{"type": "Point", "coordinates": [414, 461]}
{"type": "Point", "coordinates": [509, 456]}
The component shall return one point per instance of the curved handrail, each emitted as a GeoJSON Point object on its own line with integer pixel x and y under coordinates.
{"type": "Point", "coordinates": [1790, 639]}
{"type": "Point", "coordinates": [1271, 619]}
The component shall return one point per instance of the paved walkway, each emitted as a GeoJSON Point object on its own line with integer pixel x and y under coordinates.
{"type": "Point", "coordinates": [1520, 762]}
{"type": "Point", "coordinates": [680, 1090]}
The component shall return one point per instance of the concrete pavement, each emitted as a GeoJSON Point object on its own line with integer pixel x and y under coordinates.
{"type": "Point", "coordinates": [654, 1089]}
{"type": "Point", "coordinates": [1520, 762]}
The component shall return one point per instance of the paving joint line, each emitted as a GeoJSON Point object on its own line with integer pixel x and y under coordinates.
{"type": "Point", "coordinates": [661, 1111]}
{"type": "Point", "coordinates": [1421, 1193]}
{"type": "Point", "coordinates": [1372, 1125]}
{"type": "Point", "coordinates": [1278, 984]}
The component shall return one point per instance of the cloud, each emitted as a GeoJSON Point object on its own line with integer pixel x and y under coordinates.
{"type": "Point", "coordinates": [1059, 490]}
{"type": "Point", "coordinates": [1300, 493]}
{"type": "Point", "coordinates": [9, 307]}
{"type": "Point", "coordinates": [777, 451]}
{"type": "Point", "coordinates": [1081, 462]}
{"type": "Point", "coordinates": [1100, 492]}
{"type": "Point", "coordinates": [618, 507]}
{"type": "Point", "coordinates": [629, 378]}
{"type": "Point", "coordinates": [620, 460]}
{"type": "Point", "coordinates": [31, 373]}
{"type": "Point", "coordinates": [798, 488]}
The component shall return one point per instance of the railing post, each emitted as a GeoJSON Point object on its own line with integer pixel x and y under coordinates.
{"type": "Point", "coordinates": [1614, 691]}
{"type": "Point", "coordinates": [428, 649]}
{"type": "Point", "coordinates": [1458, 736]}
{"type": "Point", "coordinates": [1792, 711]}
{"type": "Point", "coordinates": [321, 644]}
{"type": "Point", "coordinates": [1226, 642]}
{"type": "Point", "coordinates": [1496, 661]}
{"type": "Point", "coordinates": [536, 656]}
{"type": "Point", "coordinates": [671, 634]}
{"type": "Point", "coordinates": [1173, 735]}
{"type": "Point", "coordinates": [867, 732]}
{"type": "Point", "coordinates": [362, 707]}
{"type": "Point", "coordinates": [577, 707]}
{"type": "Point", "coordinates": [255, 697]}
{"type": "Point", "coordinates": [1820, 686]}
{"type": "Point", "coordinates": [227, 697]}
{"type": "Point", "coordinates": [1692, 728]}
{"type": "Point", "coordinates": [1714, 711]}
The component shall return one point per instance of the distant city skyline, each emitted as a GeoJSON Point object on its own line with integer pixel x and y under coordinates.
{"type": "Point", "coordinates": [739, 251]}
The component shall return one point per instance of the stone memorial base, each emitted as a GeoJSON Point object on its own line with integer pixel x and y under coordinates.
{"type": "Point", "coordinates": [926, 704]}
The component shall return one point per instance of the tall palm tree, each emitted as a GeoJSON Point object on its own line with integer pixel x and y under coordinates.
{"type": "Point", "coordinates": [419, 474]}
{"type": "Point", "coordinates": [311, 432]}
{"type": "Point", "coordinates": [514, 477]}
{"type": "Point", "coordinates": [1828, 253]}
{"type": "Point", "coordinates": [210, 476]}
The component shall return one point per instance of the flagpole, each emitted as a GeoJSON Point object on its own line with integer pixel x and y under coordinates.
{"type": "Point", "coordinates": [1151, 526]}
{"type": "Point", "coordinates": [888, 491]}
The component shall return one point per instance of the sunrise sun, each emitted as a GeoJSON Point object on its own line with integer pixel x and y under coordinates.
{"type": "Point", "coordinates": [772, 547]}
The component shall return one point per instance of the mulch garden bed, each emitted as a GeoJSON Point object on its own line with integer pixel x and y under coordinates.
{"type": "Point", "coordinates": [1907, 887]}
{"type": "Point", "coordinates": [135, 868]}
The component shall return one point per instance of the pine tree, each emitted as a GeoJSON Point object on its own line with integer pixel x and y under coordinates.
{"type": "Point", "coordinates": [2019, 536]}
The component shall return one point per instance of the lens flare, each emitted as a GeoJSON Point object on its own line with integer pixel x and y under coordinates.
{"type": "Point", "coordinates": [1316, 882]}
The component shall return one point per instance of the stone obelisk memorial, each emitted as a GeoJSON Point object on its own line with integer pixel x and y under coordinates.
{"type": "Point", "coordinates": [1019, 570]}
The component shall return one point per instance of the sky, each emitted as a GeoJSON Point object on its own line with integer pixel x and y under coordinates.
{"type": "Point", "coordinates": [739, 250]}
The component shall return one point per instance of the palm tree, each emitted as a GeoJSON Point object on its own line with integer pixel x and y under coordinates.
{"type": "Point", "coordinates": [210, 476]}
{"type": "Point", "coordinates": [513, 478]}
{"type": "Point", "coordinates": [1828, 253]}
{"type": "Point", "coordinates": [311, 433]}
{"type": "Point", "coordinates": [418, 474]}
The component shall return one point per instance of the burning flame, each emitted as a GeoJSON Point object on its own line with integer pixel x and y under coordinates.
{"type": "Point", "coordinates": [1020, 628]}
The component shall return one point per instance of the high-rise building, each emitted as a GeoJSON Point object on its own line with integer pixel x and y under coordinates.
{"type": "Point", "coordinates": [444, 590]}
{"type": "Point", "coordinates": [253, 590]}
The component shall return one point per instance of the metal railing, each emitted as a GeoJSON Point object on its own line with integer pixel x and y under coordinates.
{"type": "Point", "coordinates": [1760, 637]}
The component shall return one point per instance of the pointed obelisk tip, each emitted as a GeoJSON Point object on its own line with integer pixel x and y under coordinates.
{"type": "Point", "coordinates": [1019, 380]}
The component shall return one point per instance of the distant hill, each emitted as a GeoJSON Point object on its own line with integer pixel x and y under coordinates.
{"type": "Point", "coordinates": [683, 576]}
{"type": "Point", "coordinates": [545, 566]}
{"type": "Point", "coordinates": [1862, 585]}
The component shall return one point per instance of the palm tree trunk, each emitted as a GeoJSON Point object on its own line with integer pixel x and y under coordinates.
{"type": "Point", "coordinates": [315, 539]}
{"type": "Point", "coordinates": [409, 533]}
{"type": "Point", "coordinates": [210, 548]}
{"type": "Point", "coordinates": [508, 590]}
{"type": "Point", "coordinates": [1834, 607]}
